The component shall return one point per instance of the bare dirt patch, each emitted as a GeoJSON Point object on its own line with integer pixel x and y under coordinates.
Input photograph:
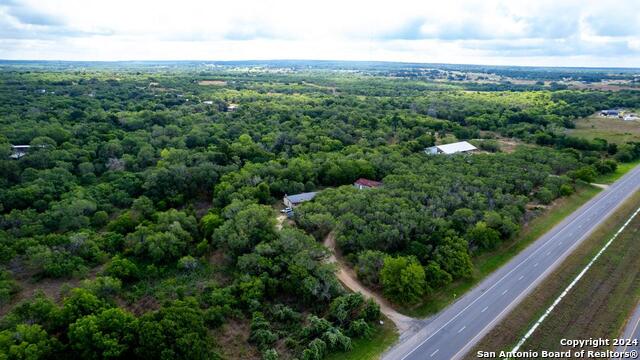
{"type": "Point", "coordinates": [232, 339]}
{"type": "Point", "coordinates": [201, 207]}
{"type": "Point", "coordinates": [141, 306]}
{"type": "Point", "coordinates": [54, 289]}
{"type": "Point", "coordinates": [280, 220]}
{"type": "Point", "coordinates": [508, 145]}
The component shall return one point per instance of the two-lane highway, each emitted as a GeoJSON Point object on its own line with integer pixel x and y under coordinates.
{"type": "Point", "coordinates": [461, 325]}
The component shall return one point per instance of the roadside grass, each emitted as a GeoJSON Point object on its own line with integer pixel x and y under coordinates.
{"type": "Point", "coordinates": [622, 169]}
{"type": "Point", "coordinates": [486, 263]}
{"type": "Point", "coordinates": [597, 306]}
{"type": "Point", "coordinates": [611, 129]}
{"type": "Point", "coordinates": [372, 348]}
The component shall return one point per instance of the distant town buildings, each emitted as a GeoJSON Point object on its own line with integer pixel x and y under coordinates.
{"type": "Point", "coordinates": [621, 114]}
{"type": "Point", "coordinates": [448, 149]}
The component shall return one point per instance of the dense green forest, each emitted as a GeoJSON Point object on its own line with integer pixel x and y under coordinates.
{"type": "Point", "coordinates": [154, 191]}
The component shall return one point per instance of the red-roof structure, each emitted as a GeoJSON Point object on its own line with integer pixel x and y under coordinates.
{"type": "Point", "coordinates": [363, 183]}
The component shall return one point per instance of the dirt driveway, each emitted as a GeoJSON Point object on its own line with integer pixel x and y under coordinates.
{"type": "Point", "coordinates": [347, 277]}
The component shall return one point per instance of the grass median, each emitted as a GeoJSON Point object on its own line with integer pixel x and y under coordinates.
{"type": "Point", "coordinates": [597, 306]}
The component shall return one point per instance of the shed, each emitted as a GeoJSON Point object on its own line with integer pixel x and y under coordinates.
{"type": "Point", "coordinates": [613, 113]}
{"type": "Point", "coordinates": [295, 200]}
{"type": "Point", "coordinates": [363, 183]}
{"type": "Point", "coordinates": [453, 148]}
{"type": "Point", "coordinates": [18, 151]}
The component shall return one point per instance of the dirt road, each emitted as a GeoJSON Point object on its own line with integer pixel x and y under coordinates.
{"type": "Point", "coordinates": [350, 280]}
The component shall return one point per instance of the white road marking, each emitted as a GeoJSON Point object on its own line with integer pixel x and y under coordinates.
{"type": "Point", "coordinates": [504, 292]}
{"type": "Point", "coordinates": [633, 332]}
{"type": "Point", "coordinates": [596, 202]}
{"type": "Point", "coordinates": [521, 277]}
{"type": "Point", "coordinates": [536, 264]}
{"type": "Point", "coordinates": [473, 340]}
{"type": "Point", "coordinates": [462, 328]}
{"type": "Point", "coordinates": [435, 352]}
{"type": "Point", "coordinates": [572, 284]}
{"type": "Point", "coordinates": [485, 309]}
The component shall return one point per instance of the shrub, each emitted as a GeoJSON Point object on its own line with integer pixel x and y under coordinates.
{"type": "Point", "coordinates": [544, 195]}
{"type": "Point", "coordinates": [187, 263]}
{"type": "Point", "coordinates": [8, 287]}
{"type": "Point", "coordinates": [368, 267]}
{"type": "Point", "coordinates": [585, 173]}
{"type": "Point", "coordinates": [566, 190]}
{"type": "Point", "coordinates": [122, 268]}
{"type": "Point", "coordinates": [403, 279]}
{"type": "Point", "coordinates": [27, 342]}
{"type": "Point", "coordinates": [360, 328]}
{"type": "Point", "coordinates": [109, 334]}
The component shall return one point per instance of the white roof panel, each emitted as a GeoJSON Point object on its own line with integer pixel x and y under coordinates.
{"type": "Point", "coordinates": [453, 148]}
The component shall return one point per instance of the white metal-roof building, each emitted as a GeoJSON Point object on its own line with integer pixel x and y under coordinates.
{"type": "Point", "coordinates": [453, 148]}
{"type": "Point", "coordinates": [294, 200]}
{"type": "Point", "coordinates": [18, 151]}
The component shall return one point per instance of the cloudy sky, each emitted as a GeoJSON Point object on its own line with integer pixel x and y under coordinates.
{"type": "Point", "coordinates": [520, 32]}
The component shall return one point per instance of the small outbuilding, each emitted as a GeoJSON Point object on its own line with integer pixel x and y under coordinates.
{"type": "Point", "coordinates": [453, 148]}
{"type": "Point", "coordinates": [232, 107]}
{"type": "Point", "coordinates": [18, 151]}
{"type": "Point", "coordinates": [610, 113]}
{"type": "Point", "coordinates": [292, 201]}
{"type": "Point", "coordinates": [363, 183]}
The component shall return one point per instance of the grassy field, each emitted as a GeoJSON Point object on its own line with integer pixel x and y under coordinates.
{"type": "Point", "coordinates": [488, 262]}
{"type": "Point", "coordinates": [611, 129]}
{"type": "Point", "coordinates": [608, 292]}
{"type": "Point", "coordinates": [372, 348]}
{"type": "Point", "coordinates": [622, 169]}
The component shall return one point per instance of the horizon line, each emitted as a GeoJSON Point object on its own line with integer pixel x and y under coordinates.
{"type": "Point", "coordinates": [319, 61]}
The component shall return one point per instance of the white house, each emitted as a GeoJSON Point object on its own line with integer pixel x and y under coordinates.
{"type": "Point", "coordinates": [453, 148]}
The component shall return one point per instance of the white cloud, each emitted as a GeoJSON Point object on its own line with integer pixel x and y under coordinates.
{"type": "Point", "coordinates": [531, 32]}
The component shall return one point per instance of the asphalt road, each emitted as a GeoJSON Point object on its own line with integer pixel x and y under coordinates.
{"type": "Point", "coordinates": [456, 329]}
{"type": "Point", "coordinates": [631, 332]}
